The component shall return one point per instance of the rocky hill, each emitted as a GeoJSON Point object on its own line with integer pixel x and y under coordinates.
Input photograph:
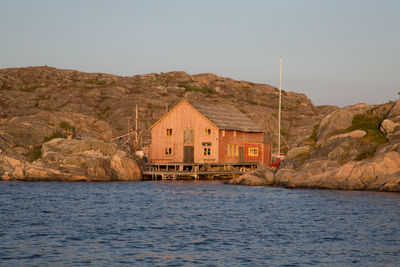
{"type": "Point", "coordinates": [357, 147]}
{"type": "Point", "coordinates": [36, 103]}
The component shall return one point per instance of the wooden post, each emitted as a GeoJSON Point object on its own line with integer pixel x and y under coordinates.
{"type": "Point", "coordinates": [136, 128]}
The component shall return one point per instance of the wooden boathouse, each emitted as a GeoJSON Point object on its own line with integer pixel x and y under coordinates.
{"type": "Point", "coordinates": [205, 139]}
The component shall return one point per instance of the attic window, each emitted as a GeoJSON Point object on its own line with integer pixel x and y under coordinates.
{"type": "Point", "coordinates": [168, 151]}
{"type": "Point", "coordinates": [169, 132]}
{"type": "Point", "coordinates": [253, 151]}
{"type": "Point", "coordinates": [207, 131]}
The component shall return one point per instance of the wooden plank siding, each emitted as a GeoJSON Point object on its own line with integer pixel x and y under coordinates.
{"type": "Point", "coordinates": [183, 117]}
{"type": "Point", "coordinates": [186, 135]}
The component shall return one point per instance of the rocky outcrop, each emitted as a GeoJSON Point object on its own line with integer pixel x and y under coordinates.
{"type": "Point", "coordinates": [348, 158]}
{"type": "Point", "coordinates": [75, 160]}
{"type": "Point", "coordinates": [339, 120]}
{"type": "Point", "coordinates": [379, 173]}
{"type": "Point", "coordinates": [349, 153]}
{"type": "Point", "coordinates": [261, 176]}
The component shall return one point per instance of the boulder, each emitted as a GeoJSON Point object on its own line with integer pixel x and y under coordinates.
{"type": "Point", "coordinates": [79, 160]}
{"type": "Point", "coordinates": [339, 120]}
{"type": "Point", "coordinates": [297, 152]}
{"type": "Point", "coordinates": [353, 134]}
{"type": "Point", "coordinates": [261, 176]}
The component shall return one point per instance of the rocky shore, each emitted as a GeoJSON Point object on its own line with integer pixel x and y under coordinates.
{"type": "Point", "coordinates": [355, 148]}
{"type": "Point", "coordinates": [73, 160]}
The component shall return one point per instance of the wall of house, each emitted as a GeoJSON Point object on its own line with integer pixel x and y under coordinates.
{"type": "Point", "coordinates": [267, 154]}
{"type": "Point", "coordinates": [253, 158]}
{"type": "Point", "coordinates": [239, 139]}
{"type": "Point", "coordinates": [182, 117]}
{"type": "Point", "coordinates": [230, 139]}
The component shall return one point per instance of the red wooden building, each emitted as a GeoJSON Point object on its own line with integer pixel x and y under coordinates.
{"type": "Point", "coordinates": [197, 132]}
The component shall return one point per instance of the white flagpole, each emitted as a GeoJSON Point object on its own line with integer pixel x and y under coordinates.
{"type": "Point", "coordinates": [279, 112]}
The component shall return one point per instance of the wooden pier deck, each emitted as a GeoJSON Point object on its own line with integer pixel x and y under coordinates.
{"type": "Point", "coordinates": [185, 171]}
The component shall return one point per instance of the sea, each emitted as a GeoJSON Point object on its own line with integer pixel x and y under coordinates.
{"type": "Point", "coordinates": [195, 223]}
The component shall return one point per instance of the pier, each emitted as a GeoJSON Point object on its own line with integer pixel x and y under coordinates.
{"type": "Point", "coordinates": [188, 171]}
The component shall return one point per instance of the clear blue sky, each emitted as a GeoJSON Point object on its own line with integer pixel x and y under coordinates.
{"type": "Point", "coordinates": [338, 52]}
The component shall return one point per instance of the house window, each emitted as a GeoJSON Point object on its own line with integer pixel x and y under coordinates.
{"type": "Point", "coordinates": [223, 132]}
{"type": "Point", "coordinates": [234, 133]}
{"type": "Point", "coordinates": [253, 151]}
{"type": "Point", "coordinates": [168, 151]}
{"type": "Point", "coordinates": [207, 151]}
{"type": "Point", "coordinates": [207, 131]}
{"type": "Point", "coordinates": [232, 150]}
{"type": "Point", "coordinates": [169, 132]}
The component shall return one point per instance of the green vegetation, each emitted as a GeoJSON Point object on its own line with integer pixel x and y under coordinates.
{"type": "Point", "coordinates": [33, 87]}
{"type": "Point", "coordinates": [370, 123]}
{"type": "Point", "coordinates": [313, 137]}
{"type": "Point", "coordinates": [366, 154]}
{"type": "Point", "coordinates": [56, 134]}
{"type": "Point", "coordinates": [303, 157]}
{"type": "Point", "coordinates": [36, 152]}
{"type": "Point", "coordinates": [66, 126]}
{"type": "Point", "coordinates": [96, 82]}
{"type": "Point", "coordinates": [251, 102]}
{"type": "Point", "coordinates": [196, 89]}
{"type": "Point", "coordinates": [284, 133]}
{"type": "Point", "coordinates": [6, 87]}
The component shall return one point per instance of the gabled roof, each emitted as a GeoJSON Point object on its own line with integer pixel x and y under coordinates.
{"type": "Point", "coordinates": [223, 116]}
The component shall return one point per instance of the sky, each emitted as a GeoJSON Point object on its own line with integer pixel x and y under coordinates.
{"type": "Point", "coordinates": [337, 52]}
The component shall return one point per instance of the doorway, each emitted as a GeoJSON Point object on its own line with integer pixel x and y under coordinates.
{"type": "Point", "coordinates": [188, 154]}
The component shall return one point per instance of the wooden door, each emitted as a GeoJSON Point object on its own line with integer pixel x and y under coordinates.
{"type": "Point", "coordinates": [241, 154]}
{"type": "Point", "coordinates": [188, 154]}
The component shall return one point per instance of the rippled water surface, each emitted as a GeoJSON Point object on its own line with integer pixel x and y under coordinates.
{"type": "Point", "coordinates": [194, 223]}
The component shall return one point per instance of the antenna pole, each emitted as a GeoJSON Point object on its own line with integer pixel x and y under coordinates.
{"type": "Point", "coordinates": [280, 104]}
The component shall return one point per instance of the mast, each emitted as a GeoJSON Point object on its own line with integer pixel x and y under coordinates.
{"type": "Point", "coordinates": [280, 104]}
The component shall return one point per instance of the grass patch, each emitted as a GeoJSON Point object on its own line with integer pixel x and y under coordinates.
{"type": "Point", "coordinates": [36, 152]}
{"type": "Point", "coordinates": [370, 124]}
{"type": "Point", "coordinates": [189, 88]}
{"type": "Point", "coordinates": [66, 126]}
{"type": "Point", "coordinates": [284, 133]}
{"type": "Point", "coordinates": [366, 154]}
{"type": "Point", "coordinates": [96, 82]}
{"type": "Point", "coordinates": [313, 137]}
{"type": "Point", "coordinates": [251, 102]}
{"type": "Point", "coordinates": [56, 134]}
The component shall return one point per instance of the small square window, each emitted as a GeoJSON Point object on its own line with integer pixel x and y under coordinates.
{"type": "Point", "coordinates": [168, 151]}
{"type": "Point", "coordinates": [253, 151]}
{"type": "Point", "coordinates": [169, 132]}
{"type": "Point", "coordinates": [207, 151]}
{"type": "Point", "coordinates": [207, 131]}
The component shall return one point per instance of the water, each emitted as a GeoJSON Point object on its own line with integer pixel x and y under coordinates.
{"type": "Point", "coordinates": [194, 223]}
